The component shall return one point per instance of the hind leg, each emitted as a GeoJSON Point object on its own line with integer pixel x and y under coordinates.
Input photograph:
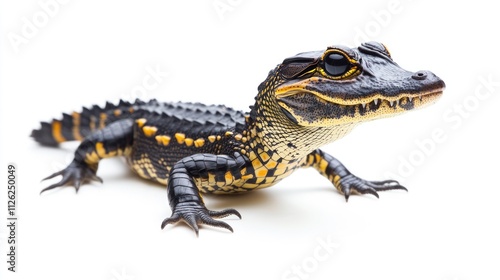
{"type": "Point", "coordinates": [113, 140]}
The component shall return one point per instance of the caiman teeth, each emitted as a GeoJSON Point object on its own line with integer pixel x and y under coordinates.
{"type": "Point", "coordinates": [392, 103]}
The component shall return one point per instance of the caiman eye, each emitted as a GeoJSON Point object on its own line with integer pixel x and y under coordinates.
{"type": "Point", "coordinates": [336, 64]}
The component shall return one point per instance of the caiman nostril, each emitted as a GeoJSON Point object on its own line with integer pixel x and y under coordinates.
{"type": "Point", "coordinates": [420, 75]}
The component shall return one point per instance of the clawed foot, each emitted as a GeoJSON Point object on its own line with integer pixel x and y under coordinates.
{"type": "Point", "coordinates": [74, 175]}
{"type": "Point", "coordinates": [351, 184]}
{"type": "Point", "coordinates": [194, 214]}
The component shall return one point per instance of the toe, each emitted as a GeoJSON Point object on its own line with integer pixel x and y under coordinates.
{"type": "Point", "coordinates": [224, 213]}
{"type": "Point", "coordinates": [211, 222]}
{"type": "Point", "coordinates": [172, 220]}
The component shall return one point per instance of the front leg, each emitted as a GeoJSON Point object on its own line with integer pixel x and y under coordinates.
{"type": "Point", "coordinates": [183, 193]}
{"type": "Point", "coordinates": [343, 180]}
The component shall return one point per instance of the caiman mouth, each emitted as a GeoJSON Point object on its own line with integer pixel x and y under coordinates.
{"type": "Point", "coordinates": [310, 108]}
{"type": "Point", "coordinates": [404, 100]}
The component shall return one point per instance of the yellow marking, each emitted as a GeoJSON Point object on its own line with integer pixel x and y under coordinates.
{"type": "Point", "coordinates": [102, 120]}
{"type": "Point", "coordinates": [251, 155]}
{"type": "Point", "coordinates": [140, 122]}
{"type": "Point", "coordinates": [246, 177]}
{"type": "Point", "coordinates": [76, 126]}
{"type": "Point", "coordinates": [323, 164]}
{"type": "Point", "coordinates": [91, 158]}
{"type": "Point", "coordinates": [117, 112]}
{"type": "Point", "coordinates": [189, 142]}
{"type": "Point", "coordinates": [228, 176]}
{"type": "Point", "coordinates": [99, 147]}
{"type": "Point", "coordinates": [211, 179]}
{"type": "Point", "coordinates": [218, 137]}
{"type": "Point", "coordinates": [220, 184]}
{"type": "Point", "coordinates": [280, 169]}
{"type": "Point", "coordinates": [261, 172]}
{"type": "Point", "coordinates": [127, 151]}
{"type": "Point", "coordinates": [199, 142]}
{"type": "Point", "coordinates": [163, 139]}
{"type": "Point", "coordinates": [149, 130]}
{"type": "Point", "coordinates": [57, 132]}
{"type": "Point", "coordinates": [180, 137]}
{"type": "Point", "coordinates": [264, 156]}
{"type": "Point", "coordinates": [243, 151]}
{"type": "Point", "coordinates": [244, 139]}
{"type": "Point", "coordinates": [211, 138]}
{"type": "Point", "coordinates": [310, 160]}
{"type": "Point", "coordinates": [228, 134]}
{"type": "Point", "coordinates": [271, 164]}
{"type": "Point", "coordinates": [256, 164]}
{"type": "Point", "coordinates": [131, 110]}
{"type": "Point", "coordinates": [317, 157]}
{"type": "Point", "coordinates": [336, 180]}
{"type": "Point", "coordinates": [238, 137]}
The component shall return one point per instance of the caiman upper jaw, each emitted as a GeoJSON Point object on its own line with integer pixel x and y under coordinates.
{"type": "Point", "coordinates": [349, 93]}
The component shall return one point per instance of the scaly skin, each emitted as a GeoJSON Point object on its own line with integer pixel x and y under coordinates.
{"type": "Point", "coordinates": [307, 101]}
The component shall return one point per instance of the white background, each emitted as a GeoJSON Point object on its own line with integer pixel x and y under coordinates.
{"type": "Point", "coordinates": [88, 52]}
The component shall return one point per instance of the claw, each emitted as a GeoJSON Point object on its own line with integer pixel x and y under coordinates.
{"type": "Point", "coordinates": [49, 188]}
{"type": "Point", "coordinates": [78, 183]}
{"type": "Point", "coordinates": [347, 192]}
{"type": "Point", "coordinates": [224, 213]}
{"type": "Point", "coordinates": [53, 175]}
{"type": "Point", "coordinates": [96, 178]}
{"type": "Point", "coordinates": [372, 191]}
{"type": "Point", "coordinates": [192, 223]}
{"type": "Point", "coordinates": [386, 185]}
{"type": "Point", "coordinates": [172, 220]}
{"type": "Point", "coordinates": [385, 182]}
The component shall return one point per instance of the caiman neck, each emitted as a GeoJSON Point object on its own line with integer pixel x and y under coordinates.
{"type": "Point", "coordinates": [271, 130]}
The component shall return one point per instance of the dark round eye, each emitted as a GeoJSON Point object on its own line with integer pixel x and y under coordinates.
{"type": "Point", "coordinates": [336, 64]}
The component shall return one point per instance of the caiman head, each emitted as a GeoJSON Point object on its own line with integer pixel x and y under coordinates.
{"type": "Point", "coordinates": [337, 88]}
